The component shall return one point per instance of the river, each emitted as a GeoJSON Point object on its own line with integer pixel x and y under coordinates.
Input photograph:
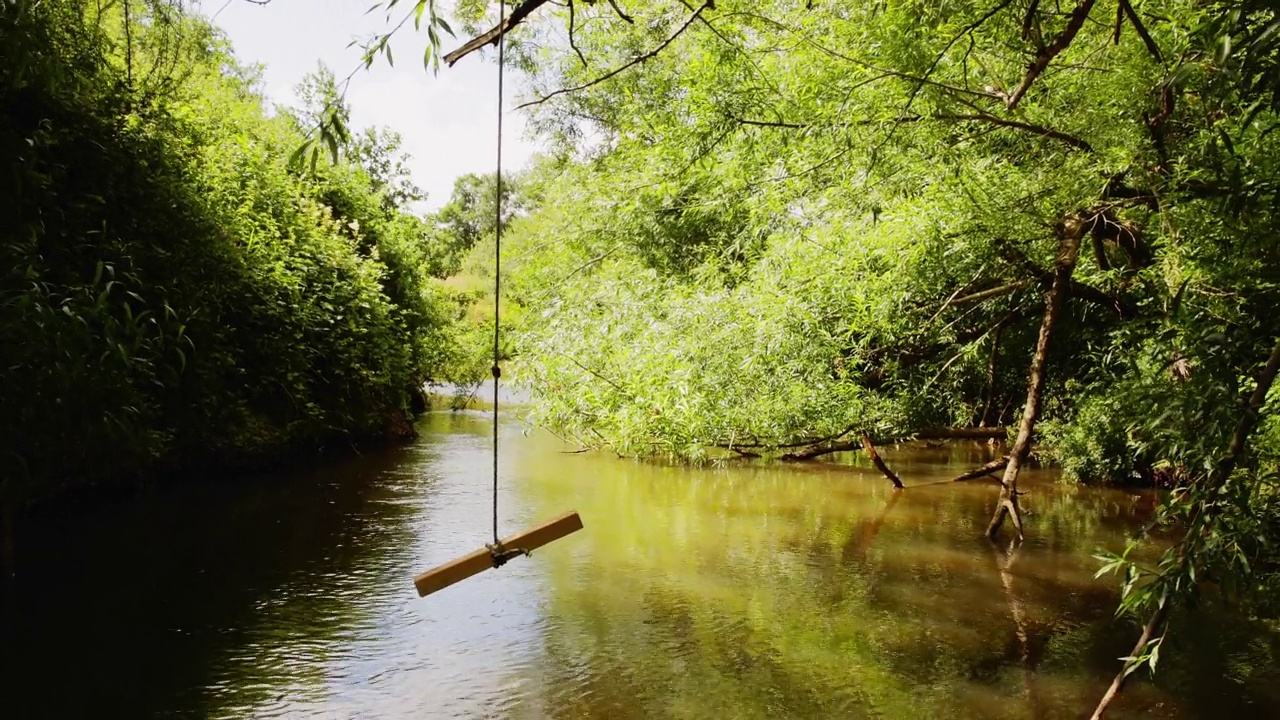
{"type": "Point", "coordinates": [734, 591]}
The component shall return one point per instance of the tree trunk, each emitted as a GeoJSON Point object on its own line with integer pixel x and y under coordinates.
{"type": "Point", "coordinates": [875, 460]}
{"type": "Point", "coordinates": [985, 421]}
{"type": "Point", "coordinates": [1069, 234]}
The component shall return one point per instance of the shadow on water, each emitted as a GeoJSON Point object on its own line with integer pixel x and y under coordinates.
{"type": "Point", "coordinates": [748, 590]}
{"type": "Point", "coordinates": [202, 594]}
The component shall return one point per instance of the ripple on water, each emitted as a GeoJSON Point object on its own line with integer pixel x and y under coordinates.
{"type": "Point", "coordinates": [747, 592]}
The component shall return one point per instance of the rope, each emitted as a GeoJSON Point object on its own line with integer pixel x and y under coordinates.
{"type": "Point", "coordinates": [499, 554]}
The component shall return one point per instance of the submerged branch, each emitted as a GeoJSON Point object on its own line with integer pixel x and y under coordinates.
{"type": "Point", "coordinates": [870, 447]}
{"type": "Point", "coordinates": [820, 450]}
{"type": "Point", "coordinates": [987, 470]}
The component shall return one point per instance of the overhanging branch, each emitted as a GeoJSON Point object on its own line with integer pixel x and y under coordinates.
{"type": "Point", "coordinates": [983, 117]}
{"type": "Point", "coordinates": [517, 16]}
{"type": "Point", "coordinates": [708, 4]}
{"type": "Point", "coordinates": [1014, 256]}
{"type": "Point", "coordinates": [1048, 53]}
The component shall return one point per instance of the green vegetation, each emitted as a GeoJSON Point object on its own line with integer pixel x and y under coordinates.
{"type": "Point", "coordinates": [773, 225]}
{"type": "Point", "coordinates": [173, 289]}
{"type": "Point", "coordinates": [764, 227]}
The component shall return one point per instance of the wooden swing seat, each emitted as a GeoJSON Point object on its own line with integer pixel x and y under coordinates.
{"type": "Point", "coordinates": [487, 557]}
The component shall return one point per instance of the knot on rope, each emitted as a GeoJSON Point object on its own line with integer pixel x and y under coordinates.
{"type": "Point", "coordinates": [497, 371]}
{"type": "Point", "coordinates": [501, 554]}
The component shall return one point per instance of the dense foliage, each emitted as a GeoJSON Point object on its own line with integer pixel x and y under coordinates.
{"type": "Point", "coordinates": [779, 223]}
{"type": "Point", "coordinates": [172, 289]}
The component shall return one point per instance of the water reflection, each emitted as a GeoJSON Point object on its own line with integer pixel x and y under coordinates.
{"type": "Point", "coordinates": [746, 590]}
{"type": "Point", "coordinates": [820, 591]}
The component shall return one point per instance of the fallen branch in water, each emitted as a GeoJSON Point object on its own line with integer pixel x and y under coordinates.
{"type": "Point", "coordinates": [962, 433]}
{"type": "Point", "coordinates": [943, 433]}
{"type": "Point", "coordinates": [813, 452]}
{"type": "Point", "coordinates": [870, 447]}
{"type": "Point", "coordinates": [984, 471]}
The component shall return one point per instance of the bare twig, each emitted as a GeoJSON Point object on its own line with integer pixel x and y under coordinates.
{"type": "Point", "coordinates": [621, 14]}
{"type": "Point", "coordinates": [573, 44]}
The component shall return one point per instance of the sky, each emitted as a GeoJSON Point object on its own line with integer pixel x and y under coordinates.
{"type": "Point", "coordinates": [448, 121]}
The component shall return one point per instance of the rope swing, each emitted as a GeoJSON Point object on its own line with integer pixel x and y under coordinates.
{"type": "Point", "coordinates": [497, 553]}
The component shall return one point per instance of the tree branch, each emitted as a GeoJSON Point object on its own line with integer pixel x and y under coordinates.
{"type": "Point", "coordinates": [1248, 420]}
{"type": "Point", "coordinates": [802, 442]}
{"type": "Point", "coordinates": [1142, 31]}
{"type": "Point", "coordinates": [1157, 619]}
{"type": "Point", "coordinates": [573, 44]}
{"type": "Point", "coordinates": [1028, 21]}
{"type": "Point", "coordinates": [621, 14]}
{"type": "Point", "coordinates": [961, 433]}
{"type": "Point", "coordinates": [1040, 130]}
{"type": "Point", "coordinates": [813, 452]}
{"type": "Point", "coordinates": [1048, 53]}
{"type": "Point", "coordinates": [988, 294]}
{"type": "Point", "coordinates": [1075, 288]}
{"type": "Point", "coordinates": [1071, 140]}
{"type": "Point", "coordinates": [870, 447]}
{"type": "Point", "coordinates": [827, 447]}
{"type": "Point", "coordinates": [518, 14]}
{"type": "Point", "coordinates": [708, 4]}
{"type": "Point", "coordinates": [984, 471]}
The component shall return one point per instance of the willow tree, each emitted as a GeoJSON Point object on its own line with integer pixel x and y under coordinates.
{"type": "Point", "coordinates": [776, 224]}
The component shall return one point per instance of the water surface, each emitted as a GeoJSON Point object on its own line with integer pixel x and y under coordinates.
{"type": "Point", "coordinates": [742, 591]}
